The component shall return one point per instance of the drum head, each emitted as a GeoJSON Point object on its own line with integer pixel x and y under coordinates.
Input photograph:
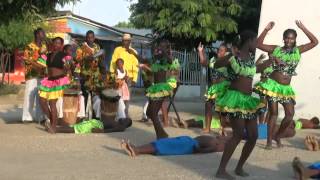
{"type": "Point", "coordinates": [110, 95]}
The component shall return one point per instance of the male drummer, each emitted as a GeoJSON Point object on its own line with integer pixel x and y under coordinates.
{"type": "Point", "coordinates": [92, 69]}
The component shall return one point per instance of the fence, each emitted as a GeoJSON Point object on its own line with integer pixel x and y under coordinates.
{"type": "Point", "coordinates": [191, 70]}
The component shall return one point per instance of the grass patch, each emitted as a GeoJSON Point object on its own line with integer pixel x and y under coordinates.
{"type": "Point", "coordinates": [9, 89]}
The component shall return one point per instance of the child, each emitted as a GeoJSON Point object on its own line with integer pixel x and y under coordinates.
{"type": "Point", "coordinates": [218, 85]}
{"type": "Point", "coordinates": [303, 173]}
{"type": "Point", "coordinates": [121, 85]}
{"type": "Point", "coordinates": [312, 123]}
{"type": "Point", "coordinates": [180, 145]}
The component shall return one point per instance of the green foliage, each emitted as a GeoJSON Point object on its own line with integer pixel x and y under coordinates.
{"type": "Point", "coordinates": [187, 22]}
{"type": "Point", "coordinates": [20, 17]}
{"type": "Point", "coordinates": [194, 19]}
{"type": "Point", "coordinates": [124, 24]}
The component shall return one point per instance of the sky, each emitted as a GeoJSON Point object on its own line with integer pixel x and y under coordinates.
{"type": "Point", "coordinates": [108, 12]}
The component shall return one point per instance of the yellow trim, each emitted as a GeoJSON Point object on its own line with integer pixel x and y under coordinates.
{"type": "Point", "coordinates": [51, 95]}
{"type": "Point", "coordinates": [173, 85]}
{"type": "Point", "coordinates": [273, 94]}
{"type": "Point", "coordinates": [232, 110]}
{"type": "Point", "coordinates": [210, 96]}
{"type": "Point", "coordinates": [159, 94]}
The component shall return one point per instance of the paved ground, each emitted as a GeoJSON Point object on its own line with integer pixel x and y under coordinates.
{"type": "Point", "coordinates": [28, 152]}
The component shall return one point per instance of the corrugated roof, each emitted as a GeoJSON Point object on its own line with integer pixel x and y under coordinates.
{"type": "Point", "coordinates": [136, 34]}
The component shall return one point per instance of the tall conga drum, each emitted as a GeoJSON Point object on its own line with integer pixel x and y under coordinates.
{"type": "Point", "coordinates": [109, 104]}
{"type": "Point", "coordinates": [70, 107]}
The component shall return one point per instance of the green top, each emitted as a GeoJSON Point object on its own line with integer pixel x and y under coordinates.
{"type": "Point", "coordinates": [163, 65]}
{"type": "Point", "coordinates": [291, 60]}
{"type": "Point", "coordinates": [217, 73]}
{"type": "Point", "coordinates": [215, 123]}
{"type": "Point", "coordinates": [298, 125]}
{"type": "Point", "coordinates": [242, 68]}
{"type": "Point", "coordinates": [86, 127]}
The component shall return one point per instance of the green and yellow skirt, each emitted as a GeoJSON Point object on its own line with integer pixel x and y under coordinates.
{"type": "Point", "coordinates": [239, 105]}
{"type": "Point", "coordinates": [217, 90]}
{"type": "Point", "coordinates": [275, 92]}
{"type": "Point", "coordinates": [161, 90]}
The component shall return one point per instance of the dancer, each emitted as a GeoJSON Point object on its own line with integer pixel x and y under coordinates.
{"type": "Point", "coordinates": [181, 145]}
{"type": "Point", "coordinates": [51, 88]}
{"type": "Point", "coordinates": [241, 108]}
{"type": "Point", "coordinates": [217, 86]}
{"type": "Point", "coordinates": [161, 88]}
{"type": "Point", "coordinates": [303, 173]}
{"type": "Point", "coordinates": [277, 87]}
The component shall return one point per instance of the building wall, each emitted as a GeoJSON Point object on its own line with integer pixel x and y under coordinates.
{"type": "Point", "coordinates": [284, 13]}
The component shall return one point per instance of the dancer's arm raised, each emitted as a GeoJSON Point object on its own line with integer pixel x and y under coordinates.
{"type": "Point", "coordinates": [202, 56]}
{"type": "Point", "coordinates": [313, 40]}
{"type": "Point", "coordinates": [265, 47]}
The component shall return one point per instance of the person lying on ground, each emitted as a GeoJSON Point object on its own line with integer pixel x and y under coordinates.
{"type": "Point", "coordinates": [180, 145]}
{"type": "Point", "coordinates": [303, 173]}
{"type": "Point", "coordinates": [312, 123]}
{"type": "Point", "coordinates": [92, 126]}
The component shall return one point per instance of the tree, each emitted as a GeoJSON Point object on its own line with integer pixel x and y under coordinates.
{"type": "Point", "coordinates": [202, 20]}
{"type": "Point", "coordinates": [124, 24]}
{"type": "Point", "coordinates": [190, 21]}
{"type": "Point", "coordinates": [20, 17]}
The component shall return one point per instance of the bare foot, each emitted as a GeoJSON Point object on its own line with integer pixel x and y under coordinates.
{"type": "Point", "coordinates": [49, 128]}
{"type": "Point", "coordinates": [205, 131]}
{"type": "Point", "coordinates": [124, 146]}
{"type": "Point", "coordinates": [224, 175]}
{"type": "Point", "coordinates": [278, 140]}
{"type": "Point", "coordinates": [308, 143]}
{"type": "Point", "coordinates": [268, 146]}
{"type": "Point", "coordinates": [315, 143]}
{"type": "Point", "coordinates": [299, 169]}
{"type": "Point", "coordinates": [241, 172]}
{"type": "Point", "coordinates": [131, 148]}
{"type": "Point", "coordinates": [184, 124]}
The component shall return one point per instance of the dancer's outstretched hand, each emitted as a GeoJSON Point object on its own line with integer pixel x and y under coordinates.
{"type": "Point", "coordinates": [200, 47]}
{"type": "Point", "coordinates": [299, 24]}
{"type": "Point", "coordinates": [270, 26]}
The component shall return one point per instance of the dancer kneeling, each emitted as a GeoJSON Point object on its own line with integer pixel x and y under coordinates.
{"type": "Point", "coordinates": [181, 145]}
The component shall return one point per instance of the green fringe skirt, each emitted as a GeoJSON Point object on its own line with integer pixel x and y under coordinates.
{"type": "Point", "coordinates": [239, 105]}
{"type": "Point", "coordinates": [217, 90]}
{"type": "Point", "coordinates": [275, 92]}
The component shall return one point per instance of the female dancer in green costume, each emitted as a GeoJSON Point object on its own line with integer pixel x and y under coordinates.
{"type": "Point", "coordinates": [277, 87]}
{"type": "Point", "coordinates": [241, 108]}
{"type": "Point", "coordinates": [163, 85]}
{"type": "Point", "coordinates": [216, 87]}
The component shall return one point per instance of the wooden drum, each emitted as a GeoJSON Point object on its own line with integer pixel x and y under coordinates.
{"type": "Point", "coordinates": [70, 107]}
{"type": "Point", "coordinates": [109, 104]}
